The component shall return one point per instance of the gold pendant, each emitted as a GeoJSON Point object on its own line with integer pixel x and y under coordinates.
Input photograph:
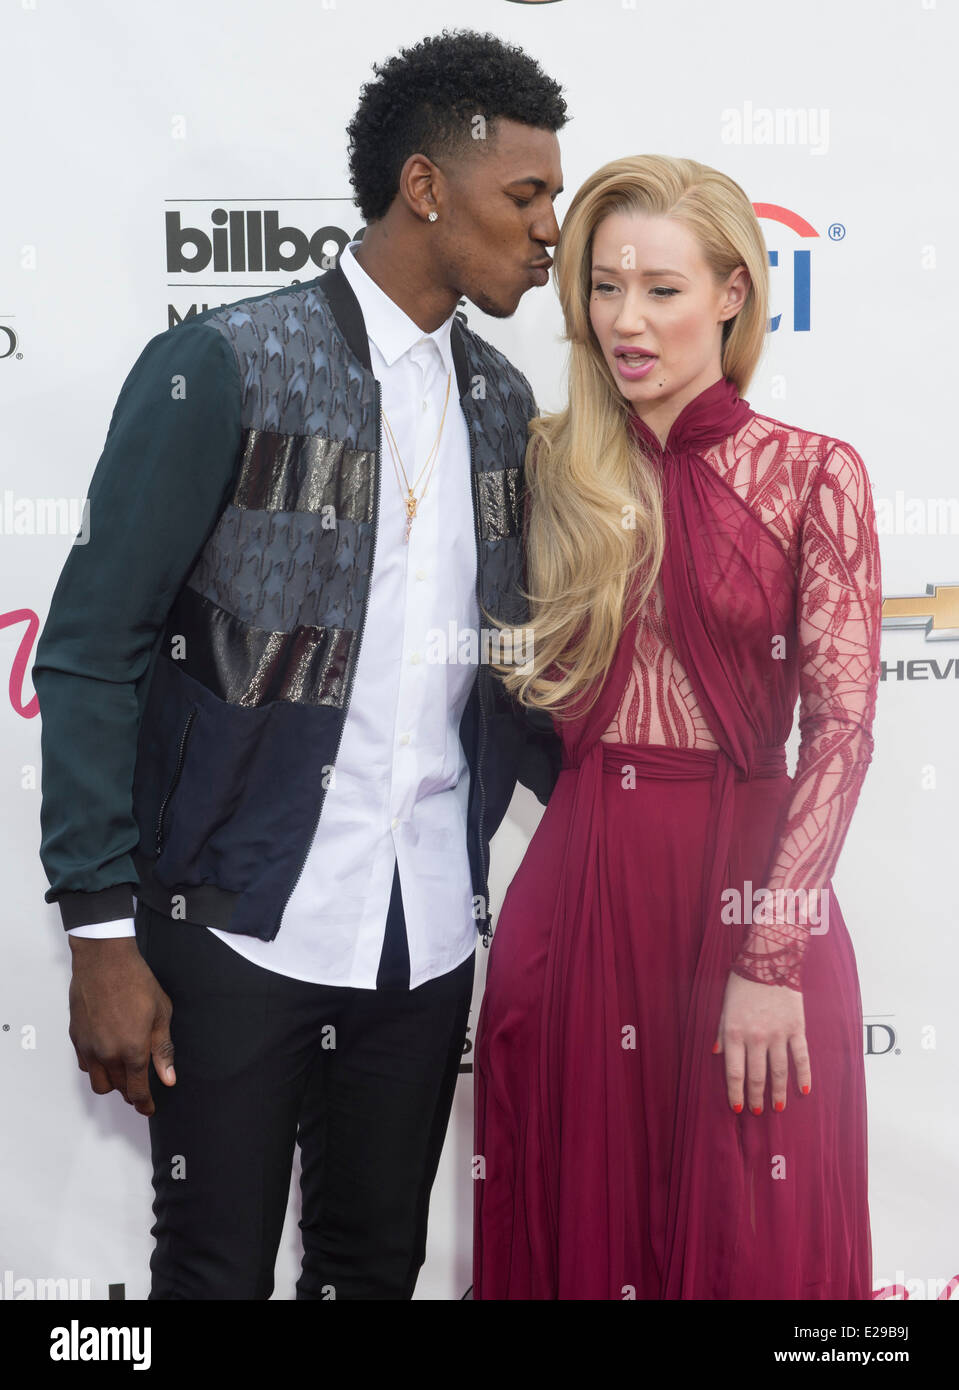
{"type": "Point", "coordinates": [410, 513]}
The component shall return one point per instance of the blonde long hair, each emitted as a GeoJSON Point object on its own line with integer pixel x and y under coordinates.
{"type": "Point", "coordinates": [582, 467]}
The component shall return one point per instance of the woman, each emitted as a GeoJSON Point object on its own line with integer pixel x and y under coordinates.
{"type": "Point", "coordinates": [669, 1075]}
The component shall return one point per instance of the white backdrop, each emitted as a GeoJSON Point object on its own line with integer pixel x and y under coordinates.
{"type": "Point", "coordinates": [840, 114]}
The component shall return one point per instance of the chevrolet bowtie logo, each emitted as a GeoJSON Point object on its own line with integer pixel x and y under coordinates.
{"type": "Point", "coordinates": [936, 612]}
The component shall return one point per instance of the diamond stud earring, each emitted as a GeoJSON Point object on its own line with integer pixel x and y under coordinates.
{"type": "Point", "coordinates": [433, 216]}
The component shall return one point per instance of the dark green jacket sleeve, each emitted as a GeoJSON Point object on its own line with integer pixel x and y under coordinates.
{"type": "Point", "coordinates": [162, 480]}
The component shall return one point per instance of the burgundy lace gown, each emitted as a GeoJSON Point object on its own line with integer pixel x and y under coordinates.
{"type": "Point", "coordinates": [612, 1164]}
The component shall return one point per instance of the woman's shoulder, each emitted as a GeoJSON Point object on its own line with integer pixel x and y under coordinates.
{"type": "Point", "coordinates": [824, 455]}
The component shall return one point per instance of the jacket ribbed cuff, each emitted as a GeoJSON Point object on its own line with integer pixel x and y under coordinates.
{"type": "Point", "coordinates": [106, 905]}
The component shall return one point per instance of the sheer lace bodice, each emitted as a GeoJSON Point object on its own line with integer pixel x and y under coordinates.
{"type": "Point", "coordinates": [813, 496]}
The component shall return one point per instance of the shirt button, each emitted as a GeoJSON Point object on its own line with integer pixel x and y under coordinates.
{"type": "Point", "coordinates": [425, 405]}
{"type": "Point", "coordinates": [394, 822]}
{"type": "Point", "coordinates": [404, 738]}
{"type": "Point", "coordinates": [415, 658]}
{"type": "Point", "coordinates": [421, 574]}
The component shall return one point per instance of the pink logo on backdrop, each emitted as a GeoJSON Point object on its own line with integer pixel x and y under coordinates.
{"type": "Point", "coordinates": [21, 661]}
{"type": "Point", "coordinates": [900, 1292]}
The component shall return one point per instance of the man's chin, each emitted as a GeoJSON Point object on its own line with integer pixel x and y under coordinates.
{"type": "Point", "coordinates": [496, 308]}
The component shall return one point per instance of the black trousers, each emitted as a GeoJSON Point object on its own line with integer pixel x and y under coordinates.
{"type": "Point", "coordinates": [362, 1079]}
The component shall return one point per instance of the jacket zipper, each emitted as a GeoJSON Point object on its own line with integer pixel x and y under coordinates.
{"type": "Point", "coordinates": [359, 640]}
{"type": "Point", "coordinates": [176, 777]}
{"type": "Point", "coordinates": [487, 933]}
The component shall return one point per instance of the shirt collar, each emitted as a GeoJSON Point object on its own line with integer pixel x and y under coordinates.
{"type": "Point", "coordinates": [393, 331]}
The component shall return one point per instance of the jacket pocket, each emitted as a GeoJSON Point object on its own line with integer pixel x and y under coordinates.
{"type": "Point", "coordinates": [178, 770]}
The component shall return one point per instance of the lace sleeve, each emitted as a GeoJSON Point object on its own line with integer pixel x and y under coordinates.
{"type": "Point", "coordinates": [839, 609]}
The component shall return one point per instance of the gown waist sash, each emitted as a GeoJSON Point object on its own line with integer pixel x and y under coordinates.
{"type": "Point", "coordinates": [661, 760]}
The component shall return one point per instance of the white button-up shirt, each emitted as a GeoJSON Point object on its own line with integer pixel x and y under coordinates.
{"type": "Point", "coordinates": [398, 792]}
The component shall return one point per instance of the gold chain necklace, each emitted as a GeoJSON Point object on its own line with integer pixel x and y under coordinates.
{"type": "Point", "coordinates": [409, 501]}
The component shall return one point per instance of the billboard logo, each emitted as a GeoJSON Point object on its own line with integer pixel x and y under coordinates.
{"type": "Point", "coordinates": [241, 240]}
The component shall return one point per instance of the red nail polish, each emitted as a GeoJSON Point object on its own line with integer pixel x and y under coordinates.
{"type": "Point", "coordinates": [780, 1105]}
{"type": "Point", "coordinates": [715, 1048]}
{"type": "Point", "coordinates": [738, 1107]}
{"type": "Point", "coordinates": [757, 1110]}
{"type": "Point", "coordinates": [805, 1089]}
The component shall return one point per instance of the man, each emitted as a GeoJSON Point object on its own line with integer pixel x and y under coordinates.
{"type": "Point", "coordinates": [241, 722]}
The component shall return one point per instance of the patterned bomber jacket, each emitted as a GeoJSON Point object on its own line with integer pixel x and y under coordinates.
{"type": "Point", "coordinates": [195, 668]}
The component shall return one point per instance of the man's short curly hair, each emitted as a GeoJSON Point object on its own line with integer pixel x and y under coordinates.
{"type": "Point", "coordinates": [425, 98]}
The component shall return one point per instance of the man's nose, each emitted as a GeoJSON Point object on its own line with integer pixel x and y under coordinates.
{"type": "Point", "coordinates": [547, 230]}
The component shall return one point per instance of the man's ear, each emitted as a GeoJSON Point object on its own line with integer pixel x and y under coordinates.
{"type": "Point", "coordinates": [417, 185]}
